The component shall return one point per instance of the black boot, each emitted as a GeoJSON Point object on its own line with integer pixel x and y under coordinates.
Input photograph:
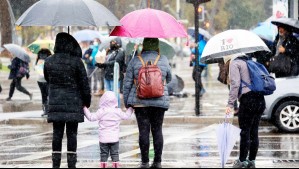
{"type": "Point", "coordinates": [144, 165]}
{"type": "Point", "coordinates": [71, 160]}
{"type": "Point", "coordinates": [56, 159]}
{"type": "Point", "coordinates": [156, 165]}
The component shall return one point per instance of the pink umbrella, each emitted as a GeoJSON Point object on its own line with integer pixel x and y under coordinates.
{"type": "Point", "coordinates": [149, 23]}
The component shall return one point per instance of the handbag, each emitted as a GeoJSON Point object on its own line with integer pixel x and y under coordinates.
{"type": "Point", "coordinates": [280, 64]}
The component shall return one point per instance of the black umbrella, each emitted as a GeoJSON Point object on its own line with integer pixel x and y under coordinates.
{"type": "Point", "coordinates": [289, 23]}
{"type": "Point", "coordinates": [68, 13]}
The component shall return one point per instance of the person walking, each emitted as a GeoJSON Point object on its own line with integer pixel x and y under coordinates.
{"type": "Point", "coordinates": [90, 60]}
{"type": "Point", "coordinates": [252, 106]}
{"type": "Point", "coordinates": [69, 93]}
{"type": "Point", "coordinates": [18, 70]}
{"type": "Point", "coordinates": [201, 45]}
{"type": "Point", "coordinates": [285, 50]}
{"type": "Point", "coordinates": [109, 116]}
{"type": "Point", "coordinates": [42, 55]}
{"type": "Point", "coordinates": [149, 112]}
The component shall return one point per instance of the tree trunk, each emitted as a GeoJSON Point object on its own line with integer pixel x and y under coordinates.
{"type": "Point", "coordinates": [6, 27]}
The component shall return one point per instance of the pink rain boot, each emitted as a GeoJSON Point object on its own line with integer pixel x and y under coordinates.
{"type": "Point", "coordinates": [115, 165]}
{"type": "Point", "coordinates": [103, 165]}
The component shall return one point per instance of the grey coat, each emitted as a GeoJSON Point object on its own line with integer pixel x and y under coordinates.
{"type": "Point", "coordinates": [130, 93]}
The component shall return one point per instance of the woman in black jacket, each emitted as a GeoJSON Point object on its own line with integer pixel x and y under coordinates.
{"type": "Point", "coordinates": [286, 45]}
{"type": "Point", "coordinates": [69, 92]}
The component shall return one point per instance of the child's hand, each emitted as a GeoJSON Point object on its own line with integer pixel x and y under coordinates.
{"type": "Point", "coordinates": [131, 109]}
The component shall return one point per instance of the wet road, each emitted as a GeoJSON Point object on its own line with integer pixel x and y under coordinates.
{"type": "Point", "coordinates": [186, 146]}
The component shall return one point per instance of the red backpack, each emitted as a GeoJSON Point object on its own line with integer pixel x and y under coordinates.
{"type": "Point", "coordinates": [149, 83]}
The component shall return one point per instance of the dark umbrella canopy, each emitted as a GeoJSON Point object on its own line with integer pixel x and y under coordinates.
{"type": "Point", "coordinates": [289, 23]}
{"type": "Point", "coordinates": [68, 13]}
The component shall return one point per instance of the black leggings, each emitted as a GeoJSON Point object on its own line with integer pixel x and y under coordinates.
{"type": "Point", "coordinates": [150, 119]}
{"type": "Point", "coordinates": [252, 106]}
{"type": "Point", "coordinates": [71, 132]}
{"type": "Point", "coordinates": [44, 91]}
{"type": "Point", "coordinates": [17, 83]}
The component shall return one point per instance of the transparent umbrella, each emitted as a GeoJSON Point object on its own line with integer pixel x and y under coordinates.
{"type": "Point", "coordinates": [17, 51]}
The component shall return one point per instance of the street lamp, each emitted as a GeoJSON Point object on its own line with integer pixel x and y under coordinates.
{"type": "Point", "coordinates": [198, 88]}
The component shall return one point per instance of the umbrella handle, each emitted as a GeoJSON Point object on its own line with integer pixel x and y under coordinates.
{"type": "Point", "coordinates": [227, 117]}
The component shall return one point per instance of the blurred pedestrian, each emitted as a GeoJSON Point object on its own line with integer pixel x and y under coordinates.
{"type": "Point", "coordinates": [285, 60]}
{"type": "Point", "coordinates": [42, 55]}
{"type": "Point", "coordinates": [109, 116]}
{"type": "Point", "coordinates": [90, 60]}
{"type": "Point", "coordinates": [252, 106]}
{"type": "Point", "coordinates": [69, 93]}
{"type": "Point", "coordinates": [201, 45]}
{"type": "Point", "coordinates": [114, 54]}
{"type": "Point", "coordinates": [18, 70]}
{"type": "Point", "coordinates": [136, 52]}
{"type": "Point", "coordinates": [149, 112]}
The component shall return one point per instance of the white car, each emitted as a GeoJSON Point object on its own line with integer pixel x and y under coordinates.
{"type": "Point", "coordinates": [282, 108]}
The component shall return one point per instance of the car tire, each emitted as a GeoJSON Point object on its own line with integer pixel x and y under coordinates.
{"type": "Point", "coordinates": [287, 117]}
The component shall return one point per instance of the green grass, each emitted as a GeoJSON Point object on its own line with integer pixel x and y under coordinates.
{"type": "Point", "coordinates": [4, 69]}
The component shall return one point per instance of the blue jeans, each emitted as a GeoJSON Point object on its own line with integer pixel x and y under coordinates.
{"type": "Point", "coordinates": [109, 85]}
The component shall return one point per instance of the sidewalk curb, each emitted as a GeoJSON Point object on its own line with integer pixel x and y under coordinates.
{"type": "Point", "coordinates": [167, 120]}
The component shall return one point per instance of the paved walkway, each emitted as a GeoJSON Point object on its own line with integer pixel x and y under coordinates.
{"type": "Point", "coordinates": [186, 146]}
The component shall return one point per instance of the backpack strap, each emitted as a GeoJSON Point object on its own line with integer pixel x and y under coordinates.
{"type": "Point", "coordinates": [157, 60]}
{"type": "Point", "coordinates": [142, 61]}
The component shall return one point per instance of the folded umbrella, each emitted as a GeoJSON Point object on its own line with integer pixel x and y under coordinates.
{"type": "Point", "coordinates": [227, 136]}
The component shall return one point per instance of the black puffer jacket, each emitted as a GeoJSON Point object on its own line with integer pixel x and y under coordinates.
{"type": "Point", "coordinates": [68, 83]}
{"type": "Point", "coordinates": [291, 45]}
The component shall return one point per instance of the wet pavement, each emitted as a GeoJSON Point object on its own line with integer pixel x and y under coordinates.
{"type": "Point", "coordinates": [189, 143]}
{"type": "Point", "coordinates": [186, 146]}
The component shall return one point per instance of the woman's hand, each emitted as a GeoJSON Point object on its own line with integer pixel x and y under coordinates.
{"type": "Point", "coordinates": [281, 49]}
{"type": "Point", "coordinates": [228, 110]}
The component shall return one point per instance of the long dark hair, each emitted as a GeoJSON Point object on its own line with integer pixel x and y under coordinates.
{"type": "Point", "coordinates": [43, 54]}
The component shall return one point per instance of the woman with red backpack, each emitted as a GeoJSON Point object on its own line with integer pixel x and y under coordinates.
{"type": "Point", "coordinates": [149, 105]}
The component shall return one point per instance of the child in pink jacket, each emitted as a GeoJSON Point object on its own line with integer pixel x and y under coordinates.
{"type": "Point", "coordinates": [109, 117]}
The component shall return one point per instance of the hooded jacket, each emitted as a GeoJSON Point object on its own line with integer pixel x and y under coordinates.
{"type": "Point", "coordinates": [109, 117]}
{"type": "Point", "coordinates": [67, 78]}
